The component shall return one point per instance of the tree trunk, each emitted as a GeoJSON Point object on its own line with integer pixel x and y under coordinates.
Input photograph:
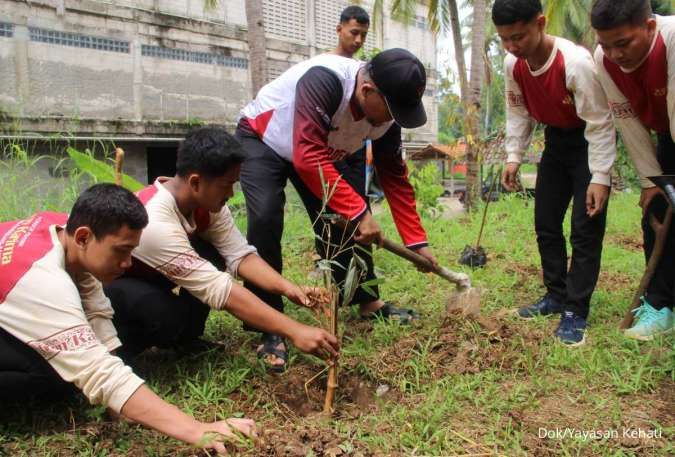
{"type": "Point", "coordinates": [459, 50]}
{"type": "Point", "coordinates": [472, 115]}
{"type": "Point", "coordinates": [256, 45]}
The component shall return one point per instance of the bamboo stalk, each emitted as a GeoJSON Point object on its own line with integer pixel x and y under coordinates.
{"type": "Point", "coordinates": [332, 382]}
{"type": "Point", "coordinates": [119, 160]}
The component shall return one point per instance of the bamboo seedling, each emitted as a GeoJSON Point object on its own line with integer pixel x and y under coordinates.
{"type": "Point", "coordinates": [326, 302]}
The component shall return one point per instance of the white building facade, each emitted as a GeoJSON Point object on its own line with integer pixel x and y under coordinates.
{"type": "Point", "coordinates": [141, 72]}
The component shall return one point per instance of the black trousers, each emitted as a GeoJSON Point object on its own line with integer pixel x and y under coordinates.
{"type": "Point", "coordinates": [661, 290]}
{"type": "Point", "coordinates": [25, 374]}
{"type": "Point", "coordinates": [148, 313]}
{"type": "Point", "coordinates": [264, 175]}
{"type": "Point", "coordinates": [563, 176]}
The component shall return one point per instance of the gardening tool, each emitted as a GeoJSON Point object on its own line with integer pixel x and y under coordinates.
{"type": "Point", "coordinates": [476, 257]}
{"type": "Point", "coordinates": [119, 160]}
{"type": "Point", "coordinates": [465, 300]}
{"type": "Point", "coordinates": [661, 229]}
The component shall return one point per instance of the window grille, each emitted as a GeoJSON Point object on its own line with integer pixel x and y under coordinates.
{"type": "Point", "coordinates": [276, 67]}
{"type": "Point", "coordinates": [420, 22]}
{"type": "Point", "coordinates": [286, 19]}
{"type": "Point", "coordinates": [78, 40]}
{"type": "Point", "coordinates": [6, 30]}
{"type": "Point", "coordinates": [193, 56]}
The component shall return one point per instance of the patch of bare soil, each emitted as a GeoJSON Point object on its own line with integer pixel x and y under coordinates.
{"type": "Point", "coordinates": [561, 411]}
{"type": "Point", "coordinates": [612, 280]}
{"type": "Point", "coordinates": [526, 273]}
{"type": "Point", "coordinates": [291, 441]}
{"type": "Point", "coordinates": [629, 242]}
{"type": "Point", "coordinates": [299, 392]}
{"type": "Point", "coordinates": [478, 343]}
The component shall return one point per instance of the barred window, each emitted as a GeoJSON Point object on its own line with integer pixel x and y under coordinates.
{"type": "Point", "coordinates": [286, 19]}
{"type": "Point", "coordinates": [6, 30]}
{"type": "Point", "coordinates": [193, 56]}
{"type": "Point", "coordinates": [78, 40]}
{"type": "Point", "coordinates": [421, 22]}
{"type": "Point", "coordinates": [276, 67]}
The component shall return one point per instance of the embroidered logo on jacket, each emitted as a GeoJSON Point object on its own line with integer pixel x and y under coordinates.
{"type": "Point", "coordinates": [181, 265]}
{"type": "Point", "coordinates": [621, 110]}
{"type": "Point", "coordinates": [73, 339]}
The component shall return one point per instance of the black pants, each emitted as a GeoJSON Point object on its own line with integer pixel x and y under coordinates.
{"type": "Point", "coordinates": [661, 289]}
{"type": "Point", "coordinates": [563, 175]}
{"type": "Point", "coordinates": [264, 175]}
{"type": "Point", "coordinates": [25, 374]}
{"type": "Point", "coordinates": [148, 313]}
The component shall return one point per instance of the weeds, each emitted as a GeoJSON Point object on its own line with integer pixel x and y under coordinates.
{"type": "Point", "coordinates": [452, 388]}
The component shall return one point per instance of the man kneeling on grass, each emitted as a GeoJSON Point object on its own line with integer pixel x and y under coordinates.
{"type": "Point", "coordinates": [176, 277]}
{"type": "Point", "coordinates": [55, 321]}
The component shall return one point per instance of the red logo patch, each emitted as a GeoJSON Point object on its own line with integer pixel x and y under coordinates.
{"type": "Point", "coordinates": [73, 339]}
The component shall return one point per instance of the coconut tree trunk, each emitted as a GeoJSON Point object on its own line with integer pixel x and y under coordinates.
{"type": "Point", "coordinates": [256, 45]}
{"type": "Point", "coordinates": [473, 109]}
{"type": "Point", "coordinates": [459, 49]}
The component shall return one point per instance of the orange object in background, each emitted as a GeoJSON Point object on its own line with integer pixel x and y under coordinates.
{"type": "Point", "coordinates": [458, 168]}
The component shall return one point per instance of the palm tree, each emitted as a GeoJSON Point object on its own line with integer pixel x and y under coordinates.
{"type": "Point", "coordinates": [475, 88]}
{"type": "Point", "coordinates": [256, 42]}
{"type": "Point", "coordinates": [444, 15]}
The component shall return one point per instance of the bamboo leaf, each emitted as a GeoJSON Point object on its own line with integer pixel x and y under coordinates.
{"type": "Point", "coordinates": [99, 170]}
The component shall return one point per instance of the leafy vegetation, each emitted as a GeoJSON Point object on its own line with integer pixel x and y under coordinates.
{"type": "Point", "coordinates": [426, 182]}
{"type": "Point", "coordinates": [439, 387]}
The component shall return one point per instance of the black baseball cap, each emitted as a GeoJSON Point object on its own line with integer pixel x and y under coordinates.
{"type": "Point", "coordinates": [401, 79]}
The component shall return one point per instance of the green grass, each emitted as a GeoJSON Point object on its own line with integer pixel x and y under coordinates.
{"type": "Point", "coordinates": [455, 387]}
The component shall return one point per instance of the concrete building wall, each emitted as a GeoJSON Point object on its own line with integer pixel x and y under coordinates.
{"type": "Point", "coordinates": [152, 68]}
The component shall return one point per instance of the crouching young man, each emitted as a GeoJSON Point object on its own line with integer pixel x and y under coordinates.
{"type": "Point", "coordinates": [56, 323]}
{"type": "Point", "coordinates": [177, 278]}
{"type": "Point", "coordinates": [635, 60]}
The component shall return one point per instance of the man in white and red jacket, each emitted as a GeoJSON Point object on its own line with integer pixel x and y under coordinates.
{"type": "Point", "coordinates": [56, 329]}
{"type": "Point", "coordinates": [190, 254]}
{"type": "Point", "coordinates": [309, 126]}
{"type": "Point", "coordinates": [636, 66]}
{"type": "Point", "coordinates": [552, 81]}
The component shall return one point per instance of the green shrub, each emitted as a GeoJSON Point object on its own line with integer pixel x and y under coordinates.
{"type": "Point", "coordinates": [427, 184]}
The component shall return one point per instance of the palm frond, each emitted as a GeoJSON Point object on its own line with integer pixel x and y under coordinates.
{"type": "Point", "coordinates": [210, 5]}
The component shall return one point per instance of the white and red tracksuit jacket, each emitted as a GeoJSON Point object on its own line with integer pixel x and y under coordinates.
{"type": "Point", "coordinates": [565, 93]}
{"type": "Point", "coordinates": [165, 247]}
{"type": "Point", "coordinates": [307, 116]}
{"type": "Point", "coordinates": [67, 320]}
{"type": "Point", "coordinates": [642, 99]}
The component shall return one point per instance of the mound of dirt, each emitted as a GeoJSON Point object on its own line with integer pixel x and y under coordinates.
{"type": "Point", "coordinates": [297, 397]}
{"type": "Point", "coordinates": [320, 441]}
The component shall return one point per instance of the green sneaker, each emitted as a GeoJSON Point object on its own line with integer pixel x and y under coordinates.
{"type": "Point", "coordinates": [650, 322]}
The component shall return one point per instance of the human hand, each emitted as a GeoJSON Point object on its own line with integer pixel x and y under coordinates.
{"type": "Point", "coordinates": [297, 294]}
{"type": "Point", "coordinates": [368, 231]}
{"type": "Point", "coordinates": [646, 197]}
{"type": "Point", "coordinates": [214, 435]}
{"type": "Point", "coordinates": [317, 341]}
{"type": "Point", "coordinates": [596, 197]}
{"type": "Point", "coordinates": [510, 176]}
{"type": "Point", "coordinates": [427, 254]}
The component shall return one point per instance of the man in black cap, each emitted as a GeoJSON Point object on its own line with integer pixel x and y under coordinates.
{"type": "Point", "coordinates": [309, 126]}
